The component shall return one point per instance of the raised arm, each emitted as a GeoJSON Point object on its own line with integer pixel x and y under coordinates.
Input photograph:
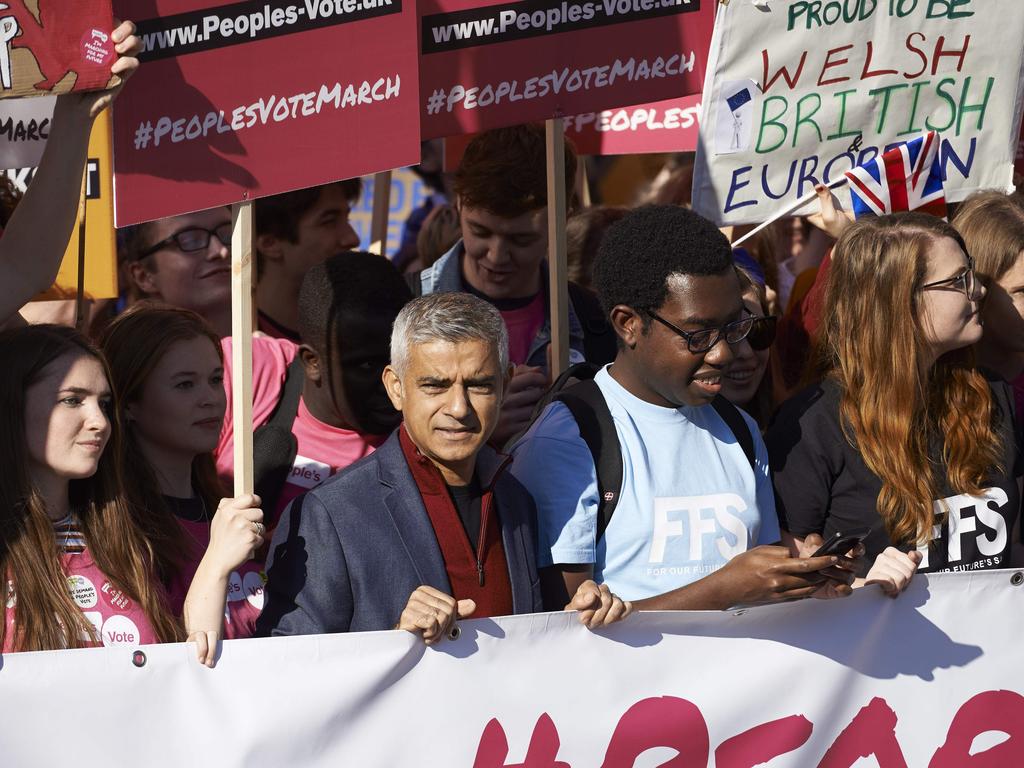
{"type": "Point", "coordinates": [34, 242]}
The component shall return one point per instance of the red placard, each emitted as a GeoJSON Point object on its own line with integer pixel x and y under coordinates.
{"type": "Point", "coordinates": [663, 126]}
{"type": "Point", "coordinates": [240, 101]}
{"type": "Point", "coordinates": [54, 46]}
{"type": "Point", "coordinates": [491, 63]}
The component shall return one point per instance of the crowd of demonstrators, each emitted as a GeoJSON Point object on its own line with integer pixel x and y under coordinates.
{"type": "Point", "coordinates": [434, 502]}
{"type": "Point", "coordinates": [383, 402]}
{"type": "Point", "coordinates": [694, 501]}
{"type": "Point", "coordinates": [500, 190]}
{"type": "Point", "coordinates": [320, 405]}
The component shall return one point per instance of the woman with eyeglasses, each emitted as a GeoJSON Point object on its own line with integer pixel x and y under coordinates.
{"type": "Point", "coordinates": [903, 436]}
{"type": "Point", "coordinates": [744, 383]}
{"type": "Point", "coordinates": [168, 375]}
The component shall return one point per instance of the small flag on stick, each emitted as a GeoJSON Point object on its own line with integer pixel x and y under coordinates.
{"type": "Point", "coordinates": [906, 178]}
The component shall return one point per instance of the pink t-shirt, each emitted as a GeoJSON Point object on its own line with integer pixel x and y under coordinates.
{"type": "Point", "coordinates": [523, 326]}
{"type": "Point", "coordinates": [117, 618]}
{"type": "Point", "coordinates": [322, 449]}
{"type": "Point", "coordinates": [245, 585]}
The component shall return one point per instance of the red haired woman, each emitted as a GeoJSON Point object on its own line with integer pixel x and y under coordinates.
{"type": "Point", "coordinates": [168, 373]}
{"type": "Point", "coordinates": [903, 435]}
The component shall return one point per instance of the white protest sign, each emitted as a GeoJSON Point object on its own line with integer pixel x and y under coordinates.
{"type": "Point", "coordinates": [930, 679]}
{"type": "Point", "coordinates": [24, 128]}
{"type": "Point", "coordinates": [800, 91]}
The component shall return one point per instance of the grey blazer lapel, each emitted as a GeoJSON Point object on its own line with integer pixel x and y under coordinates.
{"type": "Point", "coordinates": [409, 516]}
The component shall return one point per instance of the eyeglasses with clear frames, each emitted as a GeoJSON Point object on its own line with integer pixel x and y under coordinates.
{"type": "Point", "coordinates": [703, 340]}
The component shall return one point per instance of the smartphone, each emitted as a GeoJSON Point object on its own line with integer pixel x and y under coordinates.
{"type": "Point", "coordinates": [842, 542]}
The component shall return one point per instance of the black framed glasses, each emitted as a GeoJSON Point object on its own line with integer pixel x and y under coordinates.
{"type": "Point", "coordinates": [703, 340]}
{"type": "Point", "coordinates": [192, 239]}
{"type": "Point", "coordinates": [762, 332]}
{"type": "Point", "coordinates": [966, 282]}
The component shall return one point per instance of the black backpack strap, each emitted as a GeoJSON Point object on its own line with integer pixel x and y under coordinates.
{"type": "Point", "coordinates": [274, 445]}
{"type": "Point", "coordinates": [588, 406]}
{"type": "Point", "coordinates": [741, 430]}
{"type": "Point", "coordinates": [599, 340]}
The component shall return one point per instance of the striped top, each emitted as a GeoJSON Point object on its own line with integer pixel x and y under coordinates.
{"type": "Point", "coordinates": [69, 537]}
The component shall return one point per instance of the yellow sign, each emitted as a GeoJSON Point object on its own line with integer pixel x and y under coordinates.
{"type": "Point", "coordinates": [100, 239]}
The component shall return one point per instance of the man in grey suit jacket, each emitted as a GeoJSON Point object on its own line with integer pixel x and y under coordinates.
{"type": "Point", "coordinates": [429, 528]}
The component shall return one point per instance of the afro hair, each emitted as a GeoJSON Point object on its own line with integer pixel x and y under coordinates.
{"type": "Point", "coordinates": [641, 251]}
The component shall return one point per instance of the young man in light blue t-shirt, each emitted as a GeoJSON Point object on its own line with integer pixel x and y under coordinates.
{"type": "Point", "coordinates": [694, 524]}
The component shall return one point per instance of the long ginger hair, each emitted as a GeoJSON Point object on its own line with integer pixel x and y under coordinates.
{"type": "Point", "coordinates": [46, 617]}
{"type": "Point", "coordinates": [134, 344]}
{"type": "Point", "coordinates": [894, 403]}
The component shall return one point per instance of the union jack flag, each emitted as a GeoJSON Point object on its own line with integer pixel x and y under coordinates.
{"type": "Point", "coordinates": [906, 178]}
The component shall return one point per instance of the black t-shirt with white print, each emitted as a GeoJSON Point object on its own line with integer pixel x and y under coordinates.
{"type": "Point", "coordinates": [823, 486]}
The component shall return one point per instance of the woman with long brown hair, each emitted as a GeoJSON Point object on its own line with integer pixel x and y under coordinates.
{"type": "Point", "coordinates": [168, 375]}
{"type": "Point", "coordinates": [903, 435]}
{"type": "Point", "coordinates": [78, 571]}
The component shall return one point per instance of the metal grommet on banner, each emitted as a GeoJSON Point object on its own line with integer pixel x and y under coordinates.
{"type": "Point", "coordinates": [1017, 579]}
{"type": "Point", "coordinates": [139, 659]}
{"type": "Point", "coordinates": [454, 633]}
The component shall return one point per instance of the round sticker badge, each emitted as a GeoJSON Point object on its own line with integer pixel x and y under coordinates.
{"type": "Point", "coordinates": [82, 591]}
{"type": "Point", "coordinates": [115, 598]}
{"type": "Point", "coordinates": [120, 630]}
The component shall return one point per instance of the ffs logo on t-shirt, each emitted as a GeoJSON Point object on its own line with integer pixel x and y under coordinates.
{"type": "Point", "coordinates": [711, 528]}
{"type": "Point", "coordinates": [975, 534]}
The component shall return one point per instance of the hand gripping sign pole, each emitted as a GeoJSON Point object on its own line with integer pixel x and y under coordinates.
{"type": "Point", "coordinates": [241, 342]}
{"type": "Point", "coordinates": [381, 208]}
{"type": "Point", "coordinates": [558, 281]}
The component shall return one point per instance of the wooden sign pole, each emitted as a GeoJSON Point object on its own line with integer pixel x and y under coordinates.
{"type": "Point", "coordinates": [80, 294]}
{"type": "Point", "coordinates": [381, 209]}
{"type": "Point", "coordinates": [583, 183]}
{"type": "Point", "coordinates": [558, 280]}
{"type": "Point", "coordinates": [241, 343]}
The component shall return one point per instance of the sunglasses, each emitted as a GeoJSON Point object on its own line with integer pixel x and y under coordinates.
{"type": "Point", "coordinates": [762, 333]}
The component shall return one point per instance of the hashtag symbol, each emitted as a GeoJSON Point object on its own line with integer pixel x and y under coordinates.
{"type": "Point", "coordinates": [143, 134]}
{"type": "Point", "coordinates": [435, 102]}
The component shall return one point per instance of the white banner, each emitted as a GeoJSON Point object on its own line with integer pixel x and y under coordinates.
{"type": "Point", "coordinates": [933, 678]}
{"type": "Point", "coordinates": [799, 91]}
